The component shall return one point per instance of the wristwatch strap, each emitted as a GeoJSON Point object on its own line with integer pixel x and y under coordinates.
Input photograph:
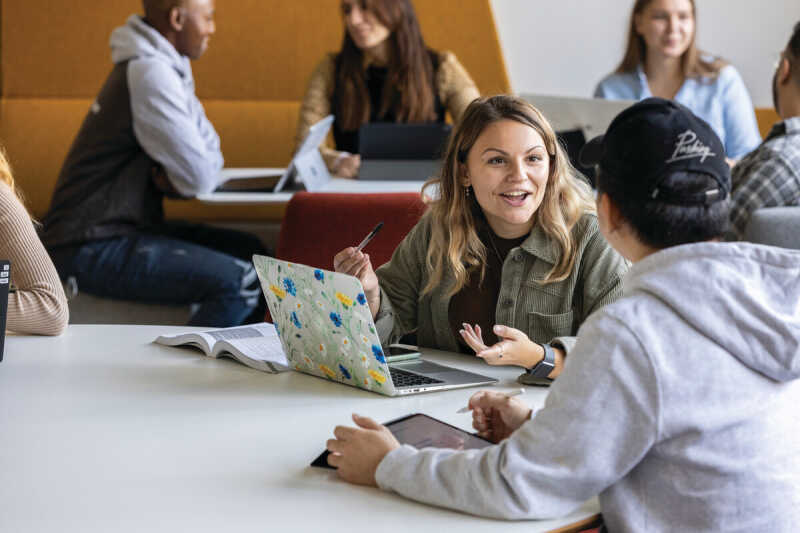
{"type": "Point", "coordinates": [543, 368]}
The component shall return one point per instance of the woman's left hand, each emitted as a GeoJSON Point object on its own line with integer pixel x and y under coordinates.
{"type": "Point", "coordinates": [514, 348]}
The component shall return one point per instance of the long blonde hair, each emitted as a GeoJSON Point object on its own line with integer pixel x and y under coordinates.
{"type": "Point", "coordinates": [6, 176]}
{"type": "Point", "coordinates": [454, 243]}
{"type": "Point", "coordinates": [692, 62]}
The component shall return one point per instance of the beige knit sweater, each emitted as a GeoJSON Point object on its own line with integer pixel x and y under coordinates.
{"type": "Point", "coordinates": [39, 304]}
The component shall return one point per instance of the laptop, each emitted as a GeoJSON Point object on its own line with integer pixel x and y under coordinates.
{"type": "Point", "coordinates": [577, 119]}
{"type": "Point", "coordinates": [5, 284]}
{"type": "Point", "coordinates": [590, 115]}
{"type": "Point", "coordinates": [326, 330]}
{"type": "Point", "coordinates": [405, 152]}
{"type": "Point", "coordinates": [307, 169]}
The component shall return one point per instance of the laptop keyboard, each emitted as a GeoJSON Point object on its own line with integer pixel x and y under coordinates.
{"type": "Point", "coordinates": [403, 378]}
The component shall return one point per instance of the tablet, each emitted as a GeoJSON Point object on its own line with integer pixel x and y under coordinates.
{"type": "Point", "coordinates": [423, 431]}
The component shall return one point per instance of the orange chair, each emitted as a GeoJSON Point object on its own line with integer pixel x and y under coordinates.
{"type": "Point", "coordinates": [316, 226]}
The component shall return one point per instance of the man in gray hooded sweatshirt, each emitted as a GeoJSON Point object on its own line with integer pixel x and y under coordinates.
{"type": "Point", "coordinates": [147, 136]}
{"type": "Point", "coordinates": [678, 405]}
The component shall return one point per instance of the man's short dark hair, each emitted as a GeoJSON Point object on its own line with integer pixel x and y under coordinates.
{"type": "Point", "coordinates": [662, 224]}
{"type": "Point", "coordinates": [154, 7]}
{"type": "Point", "coordinates": [794, 49]}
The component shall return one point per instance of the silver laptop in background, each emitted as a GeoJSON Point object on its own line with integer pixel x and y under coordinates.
{"type": "Point", "coordinates": [326, 330]}
{"type": "Point", "coordinates": [591, 115]}
{"type": "Point", "coordinates": [307, 169]}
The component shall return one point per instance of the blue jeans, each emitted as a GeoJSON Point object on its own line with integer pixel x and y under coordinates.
{"type": "Point", "coordinates": [175, 263]}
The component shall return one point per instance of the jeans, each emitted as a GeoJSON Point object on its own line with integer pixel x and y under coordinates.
{"type": "Point", "coordinates": [175, 263]}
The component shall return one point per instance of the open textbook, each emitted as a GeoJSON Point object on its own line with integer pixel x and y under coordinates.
{"type": "Point", "coordinates": [254, 345]}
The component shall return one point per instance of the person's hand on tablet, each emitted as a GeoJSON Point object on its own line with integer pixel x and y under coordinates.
{"type": "Point", "coordinates": [495, 416]}
{"type": "Point", "coordinates": [356, 263]}
{"type": "Point", "coordinates": [356, 452]}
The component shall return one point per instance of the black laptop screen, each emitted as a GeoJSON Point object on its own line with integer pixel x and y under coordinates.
{"type": "Point", "coordinates": [5, 284]}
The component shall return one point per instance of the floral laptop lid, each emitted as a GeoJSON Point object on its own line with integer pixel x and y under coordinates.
{"type": "Point", "coordinates": [324, 323]}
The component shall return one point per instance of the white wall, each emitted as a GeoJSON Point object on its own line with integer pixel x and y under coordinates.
{"type": "Point", "coordinates": [564, 47]}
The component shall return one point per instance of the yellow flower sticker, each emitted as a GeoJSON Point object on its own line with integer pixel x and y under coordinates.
{"type": "Point", "coordinates": [277, 291]}
{"type": "Point", "coordinates": [344, 299]}
{"type": "Point", "coordinates": [328, 372]}
{"type": "Point", "coordinates": [377, 376]}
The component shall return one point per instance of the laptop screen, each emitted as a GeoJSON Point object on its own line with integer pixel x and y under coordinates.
{"type": "Point", "coordinates": [5, 283]}
{"type": "Point", "coordinates": [387, 140]}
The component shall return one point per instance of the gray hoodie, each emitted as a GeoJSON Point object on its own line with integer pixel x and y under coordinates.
{"type": "Point", "coordinates": [145, 114]}
{"type": "Point", "coordinates": [678, 406]}
{"type": "Point", "coordinates": [168, 120]}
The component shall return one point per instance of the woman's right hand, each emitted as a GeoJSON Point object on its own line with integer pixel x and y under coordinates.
{"type": "Point", "coordinates": [496, 416]}
{"type": "Point", "coordinates": [347, 166]}
{"type": "Point", "coordinates": [356, 263]}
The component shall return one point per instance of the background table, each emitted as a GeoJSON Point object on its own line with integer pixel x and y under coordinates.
{"type": "Point", "coordinates": [334, 185]}
{"type": "Point", "coordinates": [100, 430]}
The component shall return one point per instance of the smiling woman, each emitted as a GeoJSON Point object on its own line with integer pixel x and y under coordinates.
{"type": "Point", "coordinates": [508, 260]}
{"type": "Point", "coordinates": [662, 59]}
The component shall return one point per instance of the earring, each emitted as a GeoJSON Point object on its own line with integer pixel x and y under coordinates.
{"type": "Point", "coordinates": [467, 190]}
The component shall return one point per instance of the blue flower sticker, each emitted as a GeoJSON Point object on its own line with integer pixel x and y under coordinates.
{"type": "Point", "coordinates": [345, 373]}
{"type": "Point", "coordinates": [361, 298]}
{"type": "Point", "coordinates": [378, 353]}
{"type": "Point", "coordinates": [319, 274]}
{"type": "Point", "coordinates": [336, 318]}
{"type": "Point", "coordinates": [288, 284]}
{"type": "Point", "coordinates": [295, 320]}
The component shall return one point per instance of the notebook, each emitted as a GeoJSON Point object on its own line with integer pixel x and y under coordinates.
{"type": "Point", "coordinates": [326, 330]}
{"type": "Point", "coordinates": [5, 284]}
{"type": "Point", "coordinates": [407, 152]}
{"type": "Point", "coordinates": [306, 170]}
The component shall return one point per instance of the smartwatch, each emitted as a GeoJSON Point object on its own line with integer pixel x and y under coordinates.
{"type": "Point", "coordinates": [543, 368]}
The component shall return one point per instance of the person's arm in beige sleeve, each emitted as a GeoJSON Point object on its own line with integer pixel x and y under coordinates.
{"type": "Point", "coordinates": [455, 86]}
{"type": "Point", "coordinates": [316, 106]}
{"type": "Point", "coordinates": [38, 305]}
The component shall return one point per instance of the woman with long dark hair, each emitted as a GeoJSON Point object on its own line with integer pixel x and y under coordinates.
{"type": "Point", "coordinates": [384, 72]}
{"type": "Point", "coordinates": [662, 59]}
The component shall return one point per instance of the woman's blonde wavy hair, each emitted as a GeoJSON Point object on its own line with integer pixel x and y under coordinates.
{"type": "Point", "coordinates": [454, 243]}
{"type": "Point", "coordinates": [6, 176]}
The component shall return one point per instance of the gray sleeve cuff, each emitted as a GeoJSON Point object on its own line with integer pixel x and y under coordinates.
{"type": "Point", "coordinates": [565, 343]}
{"type": "Point", "coordinates": [392, 460]}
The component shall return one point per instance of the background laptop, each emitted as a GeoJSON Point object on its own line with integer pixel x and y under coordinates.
{"type": "Point", "coordinates": [576, 120]}
{"type": "Point", "coordinates": [307, 169]}
{"type": "Point", "coordinates": [404, 152]}
{"type": "Point", "coordinates": [5, 284]}
{"type": "Point", "coordinates": [326, 330]}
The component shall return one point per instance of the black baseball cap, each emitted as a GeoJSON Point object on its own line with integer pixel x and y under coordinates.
{"type": "Point", "coordinates": [656, 138]}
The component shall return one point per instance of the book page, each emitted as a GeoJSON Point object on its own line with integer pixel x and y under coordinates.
{"type": "Point", "coordinates": [255, 345]}
{"type": "Point", "coordinates": [195, 339]}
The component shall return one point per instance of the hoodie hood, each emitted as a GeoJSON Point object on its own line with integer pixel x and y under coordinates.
{"type": "Point", "coordinates": [742, 296]}
{"type": "Point", "coordinates": [138, 40]}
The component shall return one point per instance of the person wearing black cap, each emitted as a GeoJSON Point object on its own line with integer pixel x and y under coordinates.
{"type": "Point", "coordinates": [678, 402]}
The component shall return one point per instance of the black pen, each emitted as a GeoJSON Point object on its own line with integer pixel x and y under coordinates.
{"type": "Point", "coordinates": [369, 237]}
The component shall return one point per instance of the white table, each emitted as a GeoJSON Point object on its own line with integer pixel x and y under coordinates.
{"type": "Point", "coordinates": [100, 430]}
{"type": "Point", "coordinates": [336, 185]}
